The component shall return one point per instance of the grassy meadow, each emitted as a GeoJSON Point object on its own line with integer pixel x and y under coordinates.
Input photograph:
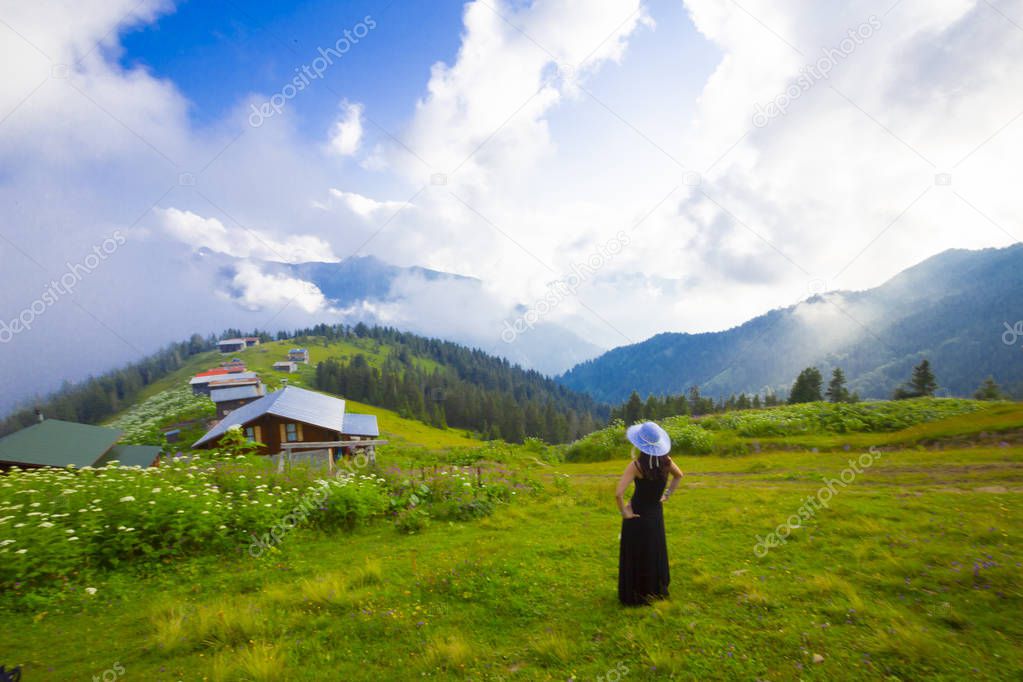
{"type": "Point", "coordinates": [911, 571]}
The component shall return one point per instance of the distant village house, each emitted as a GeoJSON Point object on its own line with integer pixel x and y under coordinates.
{"type": "Point", "coordinates": [286, 366]}
{"type": "Point", "coordinates": [204, 382]}
{"type": "Point", "coordinates": [231, 345]}
{"type": "Point", "coordinates": [299, 355]}
{"type": "Point", "coordinates": [56, 443]}
{"type": "Point", "coordinates": [229, 398]}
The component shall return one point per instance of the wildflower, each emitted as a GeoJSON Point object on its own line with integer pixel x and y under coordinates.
{"type": "Point", "coordinates": [127, 498]}
{"type": "Point", "coordinates": [90, 590]}
{"type": "Point", "coordinates": [21, 551]}
{"type": "Point", "coordinates": [72, 538]}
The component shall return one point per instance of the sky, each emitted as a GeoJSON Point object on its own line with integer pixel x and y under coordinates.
{"type": "Point", "coordinates": [609, 168]}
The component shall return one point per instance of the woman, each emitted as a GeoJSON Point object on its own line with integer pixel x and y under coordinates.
{"type": "Point", "coordinates": [643, 553]}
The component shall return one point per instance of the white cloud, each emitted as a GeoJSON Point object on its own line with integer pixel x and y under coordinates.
{"type": "Point", "coordinates": [346, 135]}
{"type": "Point", "coordinates": [364, 206]}
{"type": "Point", "coordinates": [199, 232]}
{"type": "Point", "coordinates": [258, 291]}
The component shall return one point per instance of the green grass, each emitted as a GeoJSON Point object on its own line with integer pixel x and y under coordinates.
{"type": "Point", "coordinates": [913, 571]}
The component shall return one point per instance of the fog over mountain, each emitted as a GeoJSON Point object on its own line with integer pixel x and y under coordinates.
{"type": "Point", "coordinates": [959, 309]}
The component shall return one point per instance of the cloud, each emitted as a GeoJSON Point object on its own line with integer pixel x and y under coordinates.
{"type": "Point", "coordinates": [346, 134]}
{"type": "Point", "coordinates": [364, 206]}
{"type": "Point", "coordinates": [556, 125]}
{"type": "Point", "coordinates": [240, 242]}
{"type": "Point", "coordinates": [258, 291]}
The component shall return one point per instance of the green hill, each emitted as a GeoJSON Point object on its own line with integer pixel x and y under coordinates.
{"type": "Point", "coordinates": [958, 309]}
{"type": "Point", "coordinates": [436, 382]}
{"type": "Point", "coordinates": [508, 571]}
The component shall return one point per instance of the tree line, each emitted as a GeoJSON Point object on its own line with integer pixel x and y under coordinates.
{"type": "Point", "coordinates": [97, 398]}
{"type": "Point", "coordinates": [807, 388]}
{"type": "Point", "coordinates": [494, 406]}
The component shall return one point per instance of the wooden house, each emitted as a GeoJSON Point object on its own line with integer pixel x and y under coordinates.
{"type": "Point", "coordinates": [299, 355]}
{"type": "Point", "coordinates": [231, 345]}
{"type": "Point", "coordinates": [286, 366]}
{"type": "Point", "coordinates": [293, 415]}
{"type": "Point", "coordinates": [204, 382]}
{"type": "Point", "coordinates": [230, 397]}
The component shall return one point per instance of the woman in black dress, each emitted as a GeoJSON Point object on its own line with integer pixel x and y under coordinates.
{"type": "Point", "coordinates": [643, 553]}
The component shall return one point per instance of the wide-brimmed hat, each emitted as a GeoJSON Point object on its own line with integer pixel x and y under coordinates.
{"type": "Point", "coordinates": [649, 438]}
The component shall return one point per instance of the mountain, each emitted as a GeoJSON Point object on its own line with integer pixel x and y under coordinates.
{"type": "Point", "coordinates": [952, 308]}
{"type": "Point", "coordinates": [431, 302]}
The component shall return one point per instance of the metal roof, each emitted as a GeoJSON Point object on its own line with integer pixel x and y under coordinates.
{"type": "Point", "coordinates": [290, 402]}
{"type": "Point", "coordinates": [219, 395]}
{"type": "Point", "coordinates": [281, 363]}
{"type": "Point", "coordinates": [232, 341]}
{"type": "Point", "coordinates": [199, 379]}
{"type": "Point", "coordinates": [360, 425]}
{"type": "Point", "coordinates": [58, 443]}
{"type": "Point", "coordinates": [132, 455]}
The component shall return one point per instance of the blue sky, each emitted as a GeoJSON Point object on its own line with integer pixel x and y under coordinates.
{"type": "Point", "coordinates": [217, 53]}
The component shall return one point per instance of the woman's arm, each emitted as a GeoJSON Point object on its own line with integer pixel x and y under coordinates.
{"type": "Point", "coordinates": [676, 477]}
{"type": "Point", "coordinates": [623, 484]}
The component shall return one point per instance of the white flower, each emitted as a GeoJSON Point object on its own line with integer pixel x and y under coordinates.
{"type": "Point", "coordinates": [156, 490]}
{"type": "Point", "coordinates": [72, 538]}
{"type": "Point", "coordinates": [46, 524]}
{"type": "Point", "coordinates": [127, 498]}
{"type": "Point", "coordinates": [90, 590]}
{"type": "Point", "coordinates": [21, 551]}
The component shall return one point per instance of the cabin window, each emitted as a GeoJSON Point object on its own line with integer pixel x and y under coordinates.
{"type": "Point", "coordinates": [250, 433]}
{"type": "Point", "coordinates": [291, 432]}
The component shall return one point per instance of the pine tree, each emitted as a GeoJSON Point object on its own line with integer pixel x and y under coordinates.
{"type": "Point", "coordinates": [633, 409]}
{"type": "Point", "coordinates": [989, 390]}
{"type": "Point", "coordinates": [922, 383]}
{"type": "Point", "coordinates": [807, 388]}
{"type": "Point", "coordinates": [837, 391]}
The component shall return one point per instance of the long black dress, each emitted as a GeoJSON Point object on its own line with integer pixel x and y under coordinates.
{"type": "Point", "coordinates": [643, 552]}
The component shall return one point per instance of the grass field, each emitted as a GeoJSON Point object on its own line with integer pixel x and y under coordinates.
{"type": "Point", "coordinates": [913, 570]}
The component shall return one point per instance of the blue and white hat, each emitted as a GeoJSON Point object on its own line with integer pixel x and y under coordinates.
{"type": "Point", "coordinates": [649, 438]}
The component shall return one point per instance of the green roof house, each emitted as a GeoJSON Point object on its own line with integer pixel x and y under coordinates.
{"type": "Point", "coordinates": [56, 443]}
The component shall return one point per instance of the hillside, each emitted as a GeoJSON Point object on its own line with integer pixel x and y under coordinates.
{"type": "Point", "coordinates": [418, 387]}
{"type": "Point", "coordinates": [437, 371]}
{"type": "Point", "coordinates": [907, 569]}
{"type": "Point", "coordinates": [951, 308]}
